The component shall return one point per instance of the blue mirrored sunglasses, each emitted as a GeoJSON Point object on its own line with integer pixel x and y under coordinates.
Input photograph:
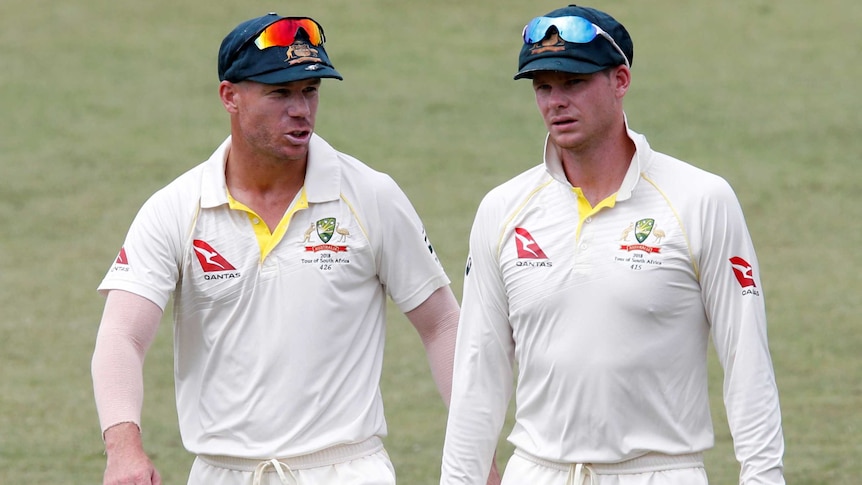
{"type": "Point", "coordinates": [571, 29]}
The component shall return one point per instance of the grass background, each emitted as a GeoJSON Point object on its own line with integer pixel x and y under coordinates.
{"type": "Point", "coordinates": [104, 102]}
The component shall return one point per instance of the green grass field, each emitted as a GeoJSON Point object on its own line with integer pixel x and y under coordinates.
{"type": "Point", "coordinates": [104, 102]}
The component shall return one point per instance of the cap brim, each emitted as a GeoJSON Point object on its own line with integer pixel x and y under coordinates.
{"type": "Point", "coordinates": [297, 73]}
{"type": "Point", "coordinates": [558, 64]}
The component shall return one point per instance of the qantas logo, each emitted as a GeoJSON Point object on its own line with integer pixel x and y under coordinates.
{"type": "Point", "coordinates": [212, 262]}
{"type": "Point", "coordinates": [122, 261]}
{"type": "Point", "coordinates": [527, 246]}
{"type": "Point", "coordinates": [743, 271]}
{"type": "Point", "coordinates": [528, 249]}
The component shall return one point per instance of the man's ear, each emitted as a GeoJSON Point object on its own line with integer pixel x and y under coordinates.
{"type": "Point", "coordinates": [229, 94]}
{"type": "Point", "coordinates": [622, 76]}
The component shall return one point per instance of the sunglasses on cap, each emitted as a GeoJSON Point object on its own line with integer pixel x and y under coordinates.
{"type": "Point", "coordinates": [577, 30]}
{"type": "Point", "coordinates": [282, 33]}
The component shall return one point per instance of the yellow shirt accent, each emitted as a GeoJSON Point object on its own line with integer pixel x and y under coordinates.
{"type": "Point", "coordinates": [267, 240]}
{"type": "Point", "coordinates": [586, 210]}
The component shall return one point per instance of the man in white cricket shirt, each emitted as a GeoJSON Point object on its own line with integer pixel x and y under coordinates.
{"type": "Point", "coordinates": [279, 252]}
{"type": "Point", "coordinates": [599, 275]}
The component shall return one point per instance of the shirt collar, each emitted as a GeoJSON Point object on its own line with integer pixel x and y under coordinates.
{"type": "Point", "coordinates": [322, 176]}
{"type": "Point", "coordinates": [213, 185]}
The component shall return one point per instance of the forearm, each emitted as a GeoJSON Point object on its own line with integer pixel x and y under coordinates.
{"type": "Point", "coordinates": [128, 327]}
{"type": "Point", "coordinates": [754, 416]}
{"type": "Point", "coordinates": [476, 415]}
{"type": "Point", "coordinates": [436, 320]}
{"type": "Point", "coordinates": [481, 391]}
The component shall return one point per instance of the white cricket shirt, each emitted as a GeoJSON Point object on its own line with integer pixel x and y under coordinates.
{"type": "Point", "coordinates": [281, 355]}
{"type": "Point", "coordinates": [606, 315]}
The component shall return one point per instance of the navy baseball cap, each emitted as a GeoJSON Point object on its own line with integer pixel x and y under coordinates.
{"type": "Point", "coordinates": [274, 50]}
{"type": "Point", "coordinates": [574, 39]}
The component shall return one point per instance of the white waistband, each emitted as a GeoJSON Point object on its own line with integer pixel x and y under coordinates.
{"type": "Point", "coordinates": [329, 456]}
{"type": "Point", "coordinates": [650, 462]}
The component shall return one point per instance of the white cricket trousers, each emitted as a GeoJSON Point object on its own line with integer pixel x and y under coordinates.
{"type": "Point", "coordinates": [365, 463]}
{"type": "Point", "coordinates": [651, 469]}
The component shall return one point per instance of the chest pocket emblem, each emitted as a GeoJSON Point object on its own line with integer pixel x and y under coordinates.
{"type": "Point", "coordinates": [643, 228]}
{"type": "Point", "coordinates": [325, 229]}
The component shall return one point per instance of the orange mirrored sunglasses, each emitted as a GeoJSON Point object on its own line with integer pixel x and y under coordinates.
{"type": "Point", "coordinates": [282, 33]}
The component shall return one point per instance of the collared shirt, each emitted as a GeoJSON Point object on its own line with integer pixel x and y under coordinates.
{"type": "Point", "coordinates": [606, 314]}
{"type": "Point", "coordinates": [279, 346]}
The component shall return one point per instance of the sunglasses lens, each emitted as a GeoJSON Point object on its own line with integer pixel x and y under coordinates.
{"type": "Point", "coordinates": [283, 33]}
{"type": "Point", "coordinates": [571, 29]}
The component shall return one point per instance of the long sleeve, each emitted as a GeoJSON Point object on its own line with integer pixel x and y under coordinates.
{"type": "Point", "coordinates": [484, 359]}
{"type": "Point", "coordinates": [734, 301]}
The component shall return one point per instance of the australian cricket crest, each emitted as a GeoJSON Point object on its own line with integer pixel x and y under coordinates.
{"type": "Point", "coordinates": [325, 229]}
{"type": "Point", "coordinates": [640, 255]}
{"type": "Point", "coordinates": [643, 228]}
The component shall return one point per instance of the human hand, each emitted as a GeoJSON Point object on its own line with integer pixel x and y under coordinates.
{"type": "Point", "coordinates": [127, 462]}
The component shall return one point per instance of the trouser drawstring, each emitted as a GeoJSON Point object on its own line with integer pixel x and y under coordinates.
{"type": "Point", "coordinates": [578, 474]}
{"type": "Point", "coordinates": [279, 468]}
